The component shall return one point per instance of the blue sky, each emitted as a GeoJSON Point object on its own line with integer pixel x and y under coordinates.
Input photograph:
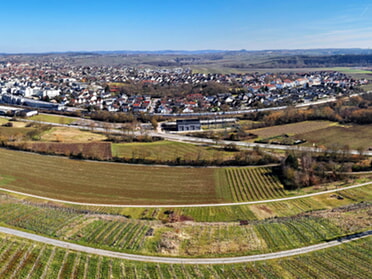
{"type": "Point", "coordinates": [73, 25]}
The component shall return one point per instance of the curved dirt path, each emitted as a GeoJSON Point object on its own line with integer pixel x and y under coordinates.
{"type": "Point", "coordinates": [185, 205]}
{"type": "Point", "coordinates": [169, 260]}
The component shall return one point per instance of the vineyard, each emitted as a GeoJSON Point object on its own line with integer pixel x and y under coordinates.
{"type": "Point", "coordinates": [119, 235]}
{"type": "Point", "coordinates": [185, 239]}
{"type": "Point", "coordinates": [256, 237]}
{"type": "Point", "coordinates": [251, 184]}
{"type": "Point", "coordinates": [83, 227]}
{"type": "Point", "coordinates": [233, 213]}
{"type": "Point", "coordinates": [244, 212]}
{"type": "Point", "coordinates": [114, 183]}
{"type": "Point", "coordinates": [25, 259]}
{"type": "Point", "coordinates": [44, 220]}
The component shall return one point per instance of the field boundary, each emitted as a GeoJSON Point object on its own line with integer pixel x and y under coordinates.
{"type": "Point", "coordinates": [169, 260]}
{"type": "Point", "coordinates": [185, 205]}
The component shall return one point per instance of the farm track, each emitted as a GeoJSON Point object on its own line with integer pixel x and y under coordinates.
{"type": "Point", "coordinates": [169, 260]}
{"type": "Point", "coordinates": [187, 205]}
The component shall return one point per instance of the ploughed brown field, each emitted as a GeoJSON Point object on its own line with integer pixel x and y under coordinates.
{"type": "Point", "coordinates": [109, 183]}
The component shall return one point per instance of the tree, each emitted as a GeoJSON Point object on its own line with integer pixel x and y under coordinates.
{"type": "Point", "coordinates": [291, 161]}
{"type": "Point", "coordinates": [154, 122]}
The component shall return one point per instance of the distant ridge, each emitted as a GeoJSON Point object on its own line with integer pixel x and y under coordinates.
{"type": "Point", "coordinates": [325, 51]}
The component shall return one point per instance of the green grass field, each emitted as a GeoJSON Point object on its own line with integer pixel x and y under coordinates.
{"type": "Point", "coordinates": [347, 70]}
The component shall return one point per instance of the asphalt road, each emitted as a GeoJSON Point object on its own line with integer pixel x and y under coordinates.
{"type": "Point", "coordinates": [169, 260]}
{"type": "Point", "coordinates": [181, 138]}
{"type": "Point", "coordinates": [186, 205]}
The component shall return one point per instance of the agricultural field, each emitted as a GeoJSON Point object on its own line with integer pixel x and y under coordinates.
{"type": "Point", "coordinates": [245, 212]}
{"type": "Point", "coordinates": [355, 136]}
{"type": "Point", "coordinates": [351, 71]}
{"type": "Point", "coordinates": [293, 129]}
{"type": "Point", "coordinates": [114, 183]}
{"type": "Point", "coordinates": [258, 237]}
{"type": "Point", "coordinates": [168, 237]}
{"type": "Point", "coordinates": [38, 219]}
{"type": "Point", "coordinates": [21, 258]}
{"type": "Point", "coordinates": [168, 151]}
{"type": "Point", "coordinates": [367, 87]}
{"type": "Point", "coordinates": [102, 182]}
{"type": "Point", "coordinates": [250, 184]}
{"type": "Point", "coordinates": [118, 234]}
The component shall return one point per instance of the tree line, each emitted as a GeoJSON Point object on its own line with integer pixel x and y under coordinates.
{"type": "Point", "coordinates": [356, 109]}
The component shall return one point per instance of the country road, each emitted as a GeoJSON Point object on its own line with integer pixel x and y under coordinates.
{"type": "Point", "coordinates": [169, 260]}
{"type": "Point", "coordinates": [181, 138]}
{"type": "Point", "coordinates": [186, 205]}
{"type": "Point", "coordinates": [188, 139]}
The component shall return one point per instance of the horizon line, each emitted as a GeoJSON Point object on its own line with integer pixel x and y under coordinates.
{"type": "Point", "coordinates": [175, 50]}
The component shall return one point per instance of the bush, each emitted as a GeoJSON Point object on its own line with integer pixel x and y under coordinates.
{"type": "Point", "coordinates": [231, 147]}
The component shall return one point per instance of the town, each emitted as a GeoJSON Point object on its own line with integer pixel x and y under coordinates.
{"type": "Point", "coordinates": [185, 139]}
{"type": "Point", "coordinates": [60, 86]}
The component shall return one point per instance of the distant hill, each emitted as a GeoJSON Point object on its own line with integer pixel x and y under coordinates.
{"type": "Point", "coordinates": [330, 51]}
{"type": "Point", "coordinates": [301, 61]}
{"type": "Point", "coordinates": [210, 60]}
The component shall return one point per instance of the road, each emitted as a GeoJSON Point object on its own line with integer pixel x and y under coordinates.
{"type": "Point", "coordinates": [181, 138]}
{"type": "Point", "coordinates": [186, 205]}
{"type": "Point", "coordinates": [189, 139]}
{"type": "Point", "coordinates": [169, 260]}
